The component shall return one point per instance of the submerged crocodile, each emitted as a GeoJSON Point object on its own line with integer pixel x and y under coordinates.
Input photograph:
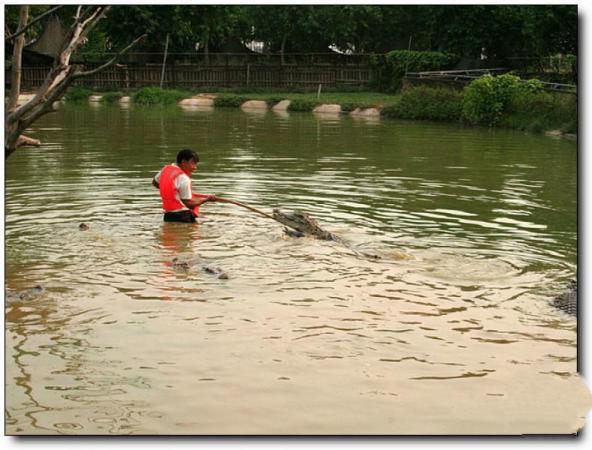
{"type": "Point", "coordinates": [299, 224]}
{"type": "Point", "coordinates": [567, 301]}
{"type": "Point", "coordinates": [26, 295]}
{"type": "Point", "coordinates": [177, 264]}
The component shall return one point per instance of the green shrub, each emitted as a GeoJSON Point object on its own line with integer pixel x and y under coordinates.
{"type": "Point", "coordinates": [389, 69]}
{"type": "Point", "coordinates": [273, 100]}
{"type": "Point", "coordinates": [487, 98]}
{"type": "Point", "coordinates": [302, 105]}
{"type": "Point", "coordinates": [111, 97]}
{"type": "Point", "coordinates": [541, 111]}
{"type": "Point", "coordinates": [78, 94]}
{"type": "Point", "coordinates": [229, 101]}
{"type": "Point", "coordinates": [350, 106]}
{"type": "Point", "coordinates": [157, 96]}
{"type": "Point", "coordinates": [425, 103]}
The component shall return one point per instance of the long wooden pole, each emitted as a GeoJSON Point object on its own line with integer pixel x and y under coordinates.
{"type": "Point", "coordinates": [227, 200]}
{"type": "Point", "coordinates": [166, 48]}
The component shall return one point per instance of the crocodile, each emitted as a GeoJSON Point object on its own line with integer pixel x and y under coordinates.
{"type": "Point", "coordinates": [299, 224]}
{"type": "Point", "coordinates": [26, 295]}
{"type": "Point", "coordinates": [567, 301]}
{"type": "Point", "coordinates": [184, 266]}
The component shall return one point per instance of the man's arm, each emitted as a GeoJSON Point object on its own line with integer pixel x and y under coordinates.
{"type": "Point", "coordinates": [198, 201]}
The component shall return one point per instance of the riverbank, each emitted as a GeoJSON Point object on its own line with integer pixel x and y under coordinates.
{"type": "Point", "coordinates": [552, 114]}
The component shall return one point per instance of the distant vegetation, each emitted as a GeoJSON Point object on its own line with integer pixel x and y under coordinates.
{"type": "Point", "coordinates": [504, 101]}
{"type": "Point", "coordinates": [495, 31]}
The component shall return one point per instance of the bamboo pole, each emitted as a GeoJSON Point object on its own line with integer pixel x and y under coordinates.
{"type": "Point", "coordinates": [166, 48]}
{"type": "Point", "coordinates": [227, 200]}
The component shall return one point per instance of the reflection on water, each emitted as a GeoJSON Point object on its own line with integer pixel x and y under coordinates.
{"type": "Point", "coordinates": [476, 230]}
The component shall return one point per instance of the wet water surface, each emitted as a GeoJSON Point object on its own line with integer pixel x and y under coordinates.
{"type": "Point", "coordinates": [451, 331]}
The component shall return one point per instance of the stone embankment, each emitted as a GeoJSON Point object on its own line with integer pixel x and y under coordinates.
{"type": "Point", "coordinates": [207, 100]}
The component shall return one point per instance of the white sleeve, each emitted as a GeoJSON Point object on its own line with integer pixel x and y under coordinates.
{"type": "Point", "coordinates": [183, 185]}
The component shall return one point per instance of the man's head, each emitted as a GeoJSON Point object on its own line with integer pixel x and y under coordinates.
{"type": "Point", "coordinates": [187, 160]}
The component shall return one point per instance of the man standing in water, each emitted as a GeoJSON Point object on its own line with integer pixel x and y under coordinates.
{"type": "Point", "coordinates": [179, 202]}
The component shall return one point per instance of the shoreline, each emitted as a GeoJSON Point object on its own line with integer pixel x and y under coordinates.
{"type": "Point", "coordinates": [369, 107]}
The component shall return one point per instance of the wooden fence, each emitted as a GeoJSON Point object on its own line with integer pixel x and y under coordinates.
{"type": "Point", "coordinates": [195, 76]}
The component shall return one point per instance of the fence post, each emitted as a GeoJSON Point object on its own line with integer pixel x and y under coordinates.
{"type": "Point", "coordinates": [166, 48]}
{"type": "Point", "coordinates": [248, 73]}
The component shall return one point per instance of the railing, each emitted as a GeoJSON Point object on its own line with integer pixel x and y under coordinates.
{"type": "Point", "coordinates": [463, 77]}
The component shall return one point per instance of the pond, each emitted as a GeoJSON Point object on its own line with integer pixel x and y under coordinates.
{"type": "Point", "coordinates": [451, 331]}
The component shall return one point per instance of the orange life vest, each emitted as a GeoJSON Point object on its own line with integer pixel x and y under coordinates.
{"type": "Point", "coordinates": [167, 189]}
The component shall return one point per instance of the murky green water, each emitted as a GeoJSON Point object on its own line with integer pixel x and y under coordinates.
{"type": "Point", "coordinates": [450, 332]}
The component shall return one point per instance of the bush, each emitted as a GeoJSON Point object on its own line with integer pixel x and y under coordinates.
{"type": "Point", "coordinates": [229, 101]}
{"type": "Point", "coordinates": [425, 103]}
{"type": "Point", "coordinates": [78, 94]}
{"type": "Point", "coordinates": [542, 111]}
{"type": "Point", "coordinates": [273, 100]}
{"type": "Point", "coordinates": [487, 98]}
{"type": "Point", "coordinates": [302, 105]}
{"type": "Point", "coordinates": [112, 97]}
{"type": "Point", "coordinates": [390, 69]}
{"type": "Point", "coordinates": [157, 96]}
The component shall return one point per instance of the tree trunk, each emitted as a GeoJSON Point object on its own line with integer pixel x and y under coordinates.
{"type": "Point", "coordinates": [17, 60]}
{"type": "Point", "coordinates": [207, 48]}
{"type": "Point", "coordinates": [283, 47]}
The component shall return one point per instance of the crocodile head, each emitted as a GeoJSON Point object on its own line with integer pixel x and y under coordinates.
{"type": "Point", "coordinates": [302, 223]}
{"type": "Point", "coordinates": [296, 220]}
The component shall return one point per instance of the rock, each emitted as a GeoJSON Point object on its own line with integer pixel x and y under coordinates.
{"type": "Point", "coordinates": [327, 109]}
{"type": "Point", "coordinates": [366, 112]}
{"type": "Point", "coordinates": [553, 133]}
{"type": "Point", "coordinates": [83, 227]}
{"type": "Point", "coordinates": [202, 101]}
{"type": "Point", "coordinates": [95, 98]}
{"type": "Point", "coordinates": [254, 104]}
{"type": "Point", "coordinates": [281, 106]}
{"type": "Point", "coordinates": [125, 99]}
{"type": "Point", "coordinates": [205, 95]}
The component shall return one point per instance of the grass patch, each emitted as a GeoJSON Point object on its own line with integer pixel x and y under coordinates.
{"type": "Point", "coordinates": [541, 112]}
{"type": "Point", "coordinates": [78, 94]}
{"type": "Point", "coordinates": [157, 96]}
{"type": "Point", "coordinates": [230, 100]}
{"type": "Point", "coordinates": [112, 97]}
{"type": "Point", "coordinates": [424, 103]}
{"type": "Point", "coordinates": [302, 105]}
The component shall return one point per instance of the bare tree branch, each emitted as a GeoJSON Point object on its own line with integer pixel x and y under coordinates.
{"type": "Point", "coordinates": [33, 22]}
{"type": "Point", "coordinates": [59, 78]}
{"type": "Point", "coordinates": [111, 61]}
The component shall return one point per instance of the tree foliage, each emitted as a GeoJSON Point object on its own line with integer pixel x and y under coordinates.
{"type": "Point", "coordinates": [466, 30]}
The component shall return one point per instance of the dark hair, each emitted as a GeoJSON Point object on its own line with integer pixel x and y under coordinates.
{"type": "Point", "coordinates": [186, 155]}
